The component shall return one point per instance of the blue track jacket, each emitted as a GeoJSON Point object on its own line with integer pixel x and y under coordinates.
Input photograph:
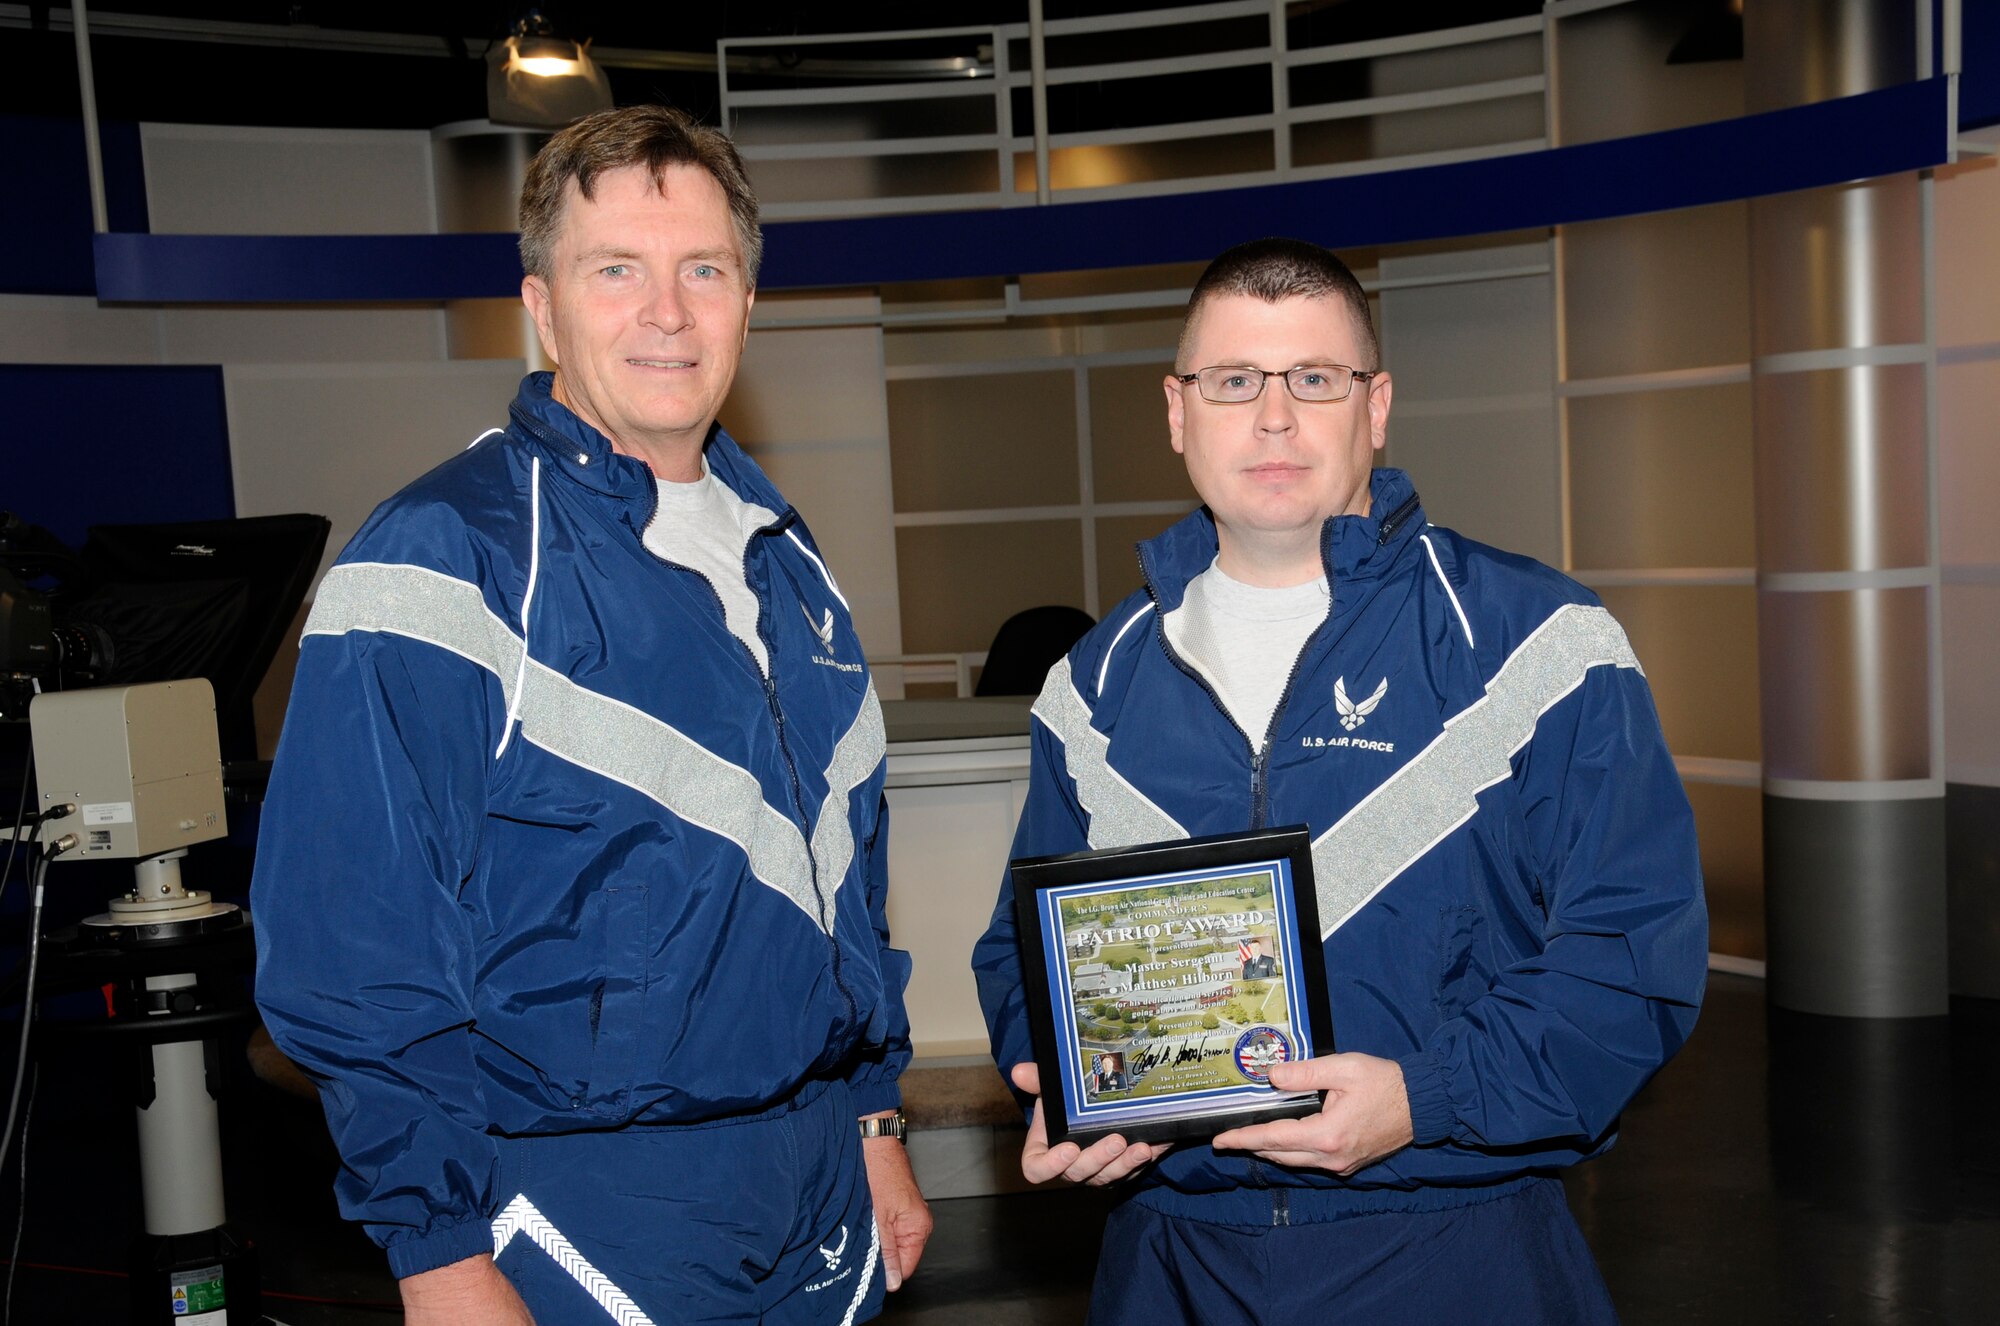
{"type": "Point", "coordinates": [1504, 858]}
{"type": "Point", "coordinates": [544, 851]}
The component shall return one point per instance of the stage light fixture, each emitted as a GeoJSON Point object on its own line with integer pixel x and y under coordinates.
{"type": "Point", "coordinates": [539, 79]}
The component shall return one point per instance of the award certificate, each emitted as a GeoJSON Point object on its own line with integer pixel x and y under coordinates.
{"type": "Point", "coordinates": [1163, 981]}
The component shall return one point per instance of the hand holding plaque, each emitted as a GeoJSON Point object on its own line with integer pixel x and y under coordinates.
{"type": "Point", "coordinates": [1366, 1117]}
{"type": "Point", "coordinates": [1165, 981]}
{"type": "Point", "coordinates": [1105, 1161]}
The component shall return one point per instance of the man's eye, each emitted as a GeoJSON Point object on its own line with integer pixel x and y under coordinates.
{"type": "Point", "coordinates": [1314, 379]}
{"type": "Point", "coordinates": [1236, 380]}
{"type": "Point", "coordinates": [702, 271]}
{"type": "Point", "coordinates": [616, 269]}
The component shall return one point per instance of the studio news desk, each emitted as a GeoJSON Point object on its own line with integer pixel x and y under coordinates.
{"type": "Point", "coordinates": [957, 778]}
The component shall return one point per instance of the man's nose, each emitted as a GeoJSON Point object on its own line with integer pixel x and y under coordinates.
{"type": "Point", "coordinates": [666, 309]}
{"type": "Point", "coordinates": [1277, 412]}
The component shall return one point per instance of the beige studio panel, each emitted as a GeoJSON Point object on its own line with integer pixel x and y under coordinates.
{"type": "Point", "coordinates": [959, 582]}
{"type": "Point", "coordinates": [1698, 646]}
{"type": "Point", "coordinates": [1118, 540]}
{"type": "Point", "coordinates": [1132, 458]}
{"type": "Point", "coordinates": [1729, 822]}
{"type": "Point", "coordinates": [1668, 291]}
{"type": "Point", "coordinates": [1662, 479]}
{"type": "Point", "coordinates": [1614, 79]}
{"type": "Point", "coordinates": [983, 440]}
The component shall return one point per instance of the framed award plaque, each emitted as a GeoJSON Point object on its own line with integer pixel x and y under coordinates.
{"type": "Point", "coordinates": [1164, 980]}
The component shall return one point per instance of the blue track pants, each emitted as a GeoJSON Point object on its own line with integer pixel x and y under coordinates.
{"type": "Point", "coordinates": [1517, 1258]}
{"type": "Point", "coordinates": [766, 1220]}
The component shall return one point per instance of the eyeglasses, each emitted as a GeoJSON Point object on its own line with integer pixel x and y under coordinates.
{"type": "Point", "coordinates": [1316, 384]}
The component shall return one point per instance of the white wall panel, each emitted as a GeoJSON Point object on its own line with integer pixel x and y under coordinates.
{"type": "Point", "coordinates": [1474, 416]}
{"type": "Point", "coordinates": [1479, 338]}
{"type": "Point", "coordinates": [72, 329]}
{"type": "Point", "coordinates": [1491, 475]}
{"type": "Point", "coordinates": [335, 439]}
{"type": "Point", "coordinates": [947, 849]}
{"type": "Point", "coordinates": [301, 335]}
{"type": "Point", "coordinates": [238, 180]}
{"type": "Point", "coordinates": [811, 407]}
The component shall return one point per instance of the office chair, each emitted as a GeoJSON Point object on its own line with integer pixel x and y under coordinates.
{"type": "Point", "coordinates": [1027, 645]}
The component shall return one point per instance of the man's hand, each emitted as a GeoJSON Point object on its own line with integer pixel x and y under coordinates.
{"type": "Point", "coordinates": [902, 1218]}
{"type": "Point", "coordinates": [473, 1292]}
{"type": "Point", "coordinates": [1366, 1117]}
{"type": "Point", "coordinates": [1107, 1160]}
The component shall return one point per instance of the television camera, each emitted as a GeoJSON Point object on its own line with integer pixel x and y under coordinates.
{"type": "Point", "coordinates": [134, 663]}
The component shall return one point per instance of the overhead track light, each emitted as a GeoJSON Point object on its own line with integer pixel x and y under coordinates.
{"type": "Point", "coordinates": [540, 80]}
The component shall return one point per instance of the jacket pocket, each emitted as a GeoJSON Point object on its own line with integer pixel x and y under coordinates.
{"type": "Point", "coordinates": [620, 944]}
{"type": "Point", "coordinates": [1462, 977]}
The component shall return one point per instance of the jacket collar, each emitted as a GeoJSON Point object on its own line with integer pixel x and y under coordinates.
{"type": "Point", "coordinates": [579, 452]}
{"type": "Point", "coordinates": [1353, 549]}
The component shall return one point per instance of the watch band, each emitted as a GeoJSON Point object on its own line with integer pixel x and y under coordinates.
{"type": "Point", "coordinates": [893, 1125]}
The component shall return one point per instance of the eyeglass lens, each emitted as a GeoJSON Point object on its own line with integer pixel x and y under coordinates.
{"type": "Point", "coordinates": [1227, 385]}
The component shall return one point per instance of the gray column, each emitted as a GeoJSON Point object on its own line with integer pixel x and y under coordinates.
{"type": "Point", "coordinates": [1844, 392]}
{"type": "Point", "coordinates": [476, 172]}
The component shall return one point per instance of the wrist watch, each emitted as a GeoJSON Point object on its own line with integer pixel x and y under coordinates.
{"type": "Point", "coordinates": [893, 1125]}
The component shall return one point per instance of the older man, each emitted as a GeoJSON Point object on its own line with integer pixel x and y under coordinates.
{"type": "Point", "coordinates": [580, 794]}
{"type": "Point", "coordinates": [1505, 862]}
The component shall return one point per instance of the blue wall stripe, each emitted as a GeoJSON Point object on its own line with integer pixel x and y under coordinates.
{"type": "Point", "coordinates": [115, 444]}
{"type": "Point", "coordinates": [124, 176]}
{"type": "Point", "coordinates": [1879, 133]}
{"type": "Point", "coordinates": [45, 232]}
{"type": "Point", "coordinates": [288, 269]}
{"type": "Point", "coordinates": [1979, 52]}
{"type": "Point", "coordinates": [1861, 137]}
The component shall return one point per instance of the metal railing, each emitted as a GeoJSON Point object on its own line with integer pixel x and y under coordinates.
{"type": "Point", "coordinates": [955, 139]}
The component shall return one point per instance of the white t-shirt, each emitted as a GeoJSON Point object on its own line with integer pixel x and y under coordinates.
{"type": "Point", "coordinates": [705, 526]}
{"type": "Point", "coordinates": [1244, 640]}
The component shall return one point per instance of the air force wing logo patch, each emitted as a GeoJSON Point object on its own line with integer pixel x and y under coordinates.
{"type": "Point", "coordinates": [1353, 715]}
{"type": "Point", "coordinates": [834, 1254]}
{"type": "Point", "coordinates": [822, 629]}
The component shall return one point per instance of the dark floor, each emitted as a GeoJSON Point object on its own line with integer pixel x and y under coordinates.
{"type": "Point", "coordinates": [1784, 1169]}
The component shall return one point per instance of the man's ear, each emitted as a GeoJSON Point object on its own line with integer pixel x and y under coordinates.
{"type": "Point", "coordinates": [1176, 411]}
{"type": "Point", "coordinates": [541, 307]}
{"type": "Point", "coordinates": [1380, 390]}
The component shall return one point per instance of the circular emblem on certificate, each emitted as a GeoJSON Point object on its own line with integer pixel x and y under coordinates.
{"type": "Point", "coordinates": [1260, 1047]}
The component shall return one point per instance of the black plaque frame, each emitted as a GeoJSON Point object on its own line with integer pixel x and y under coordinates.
{"type": "Point", "coordinates": [1082, 1103]}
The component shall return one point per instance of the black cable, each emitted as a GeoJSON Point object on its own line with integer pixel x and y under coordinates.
{"type": "Point", "coordinates": [41, 870]}
{"type": "Point", "coordinates": [21, 1214]}
{"type": "Point", "coordinates": [20, 821]}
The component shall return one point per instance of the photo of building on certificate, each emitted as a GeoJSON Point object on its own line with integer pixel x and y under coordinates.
{"type": "Point", "coordinates": [1176, 988]}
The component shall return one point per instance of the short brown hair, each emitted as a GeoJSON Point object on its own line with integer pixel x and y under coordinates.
{"type": "Point", "coordinates": [654, 137]}
{"type": "Point", "coordinates": [1275, 269]}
